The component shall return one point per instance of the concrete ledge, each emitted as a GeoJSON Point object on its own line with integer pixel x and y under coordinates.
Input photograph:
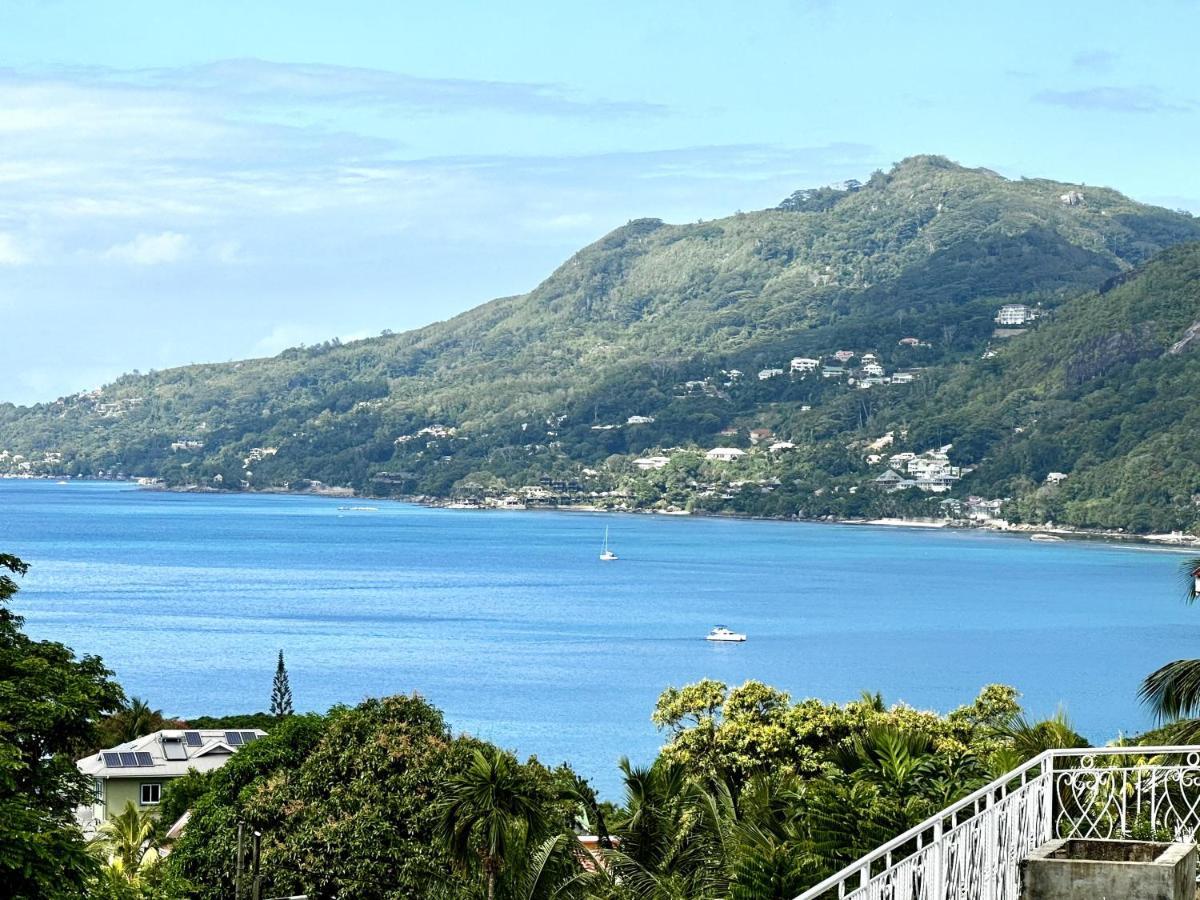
{"type": "Point", "coordinates": [1090, 869]}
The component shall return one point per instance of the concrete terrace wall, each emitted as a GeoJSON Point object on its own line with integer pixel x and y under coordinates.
{"type": "Point", "coordinates": [1075, 869]}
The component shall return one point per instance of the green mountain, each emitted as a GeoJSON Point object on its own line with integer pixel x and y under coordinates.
{"type": "Point", "coordinates": [647, 323]}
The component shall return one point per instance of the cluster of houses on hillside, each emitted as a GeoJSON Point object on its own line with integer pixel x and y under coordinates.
{"type": "Point", "coordinates": [868, 372]}
{"type": "Point", "coordinates": [257, 454]}
{"type": "Point", "coordinates": [974, 509]}
{"type": "Point", "coordinates": [760, 437]}
{"type": "Point", "coordinates": [430, 433]}
{"type": "Point", "coordinates": [17, 465]}
{"type": "Point", "coordinates": [862, 369]}
{"type": "Point", "coordinates": [930, 471]}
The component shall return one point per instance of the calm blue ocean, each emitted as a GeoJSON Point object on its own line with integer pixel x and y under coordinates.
{"type": "Point", "coordinates": [510, 623]}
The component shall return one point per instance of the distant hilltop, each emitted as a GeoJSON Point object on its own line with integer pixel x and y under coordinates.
{"type": "Point", "coordinates": [1026, 325]}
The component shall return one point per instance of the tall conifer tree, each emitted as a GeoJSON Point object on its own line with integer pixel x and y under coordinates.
{"type": "Point", "coordinates": [281, 691]}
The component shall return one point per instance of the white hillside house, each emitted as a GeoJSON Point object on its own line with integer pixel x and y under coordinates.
{"type": "Point", "coordinates": [647, 463]}
{"type": "Point", "coordinates": [137, 771]}
{"type": "Point", "coordinates": [1015, 314]}
{"type": "Point", "coordinates": [801, 364]}
{"type": "Point", "coordinates": [724, 454]}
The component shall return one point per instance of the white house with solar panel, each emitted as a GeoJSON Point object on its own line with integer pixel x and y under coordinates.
{"type": "Point", "coordinates": [137, 771]}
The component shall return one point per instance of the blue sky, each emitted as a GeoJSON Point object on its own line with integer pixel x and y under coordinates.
{"type": "Point", "coordinates": [187, 182]}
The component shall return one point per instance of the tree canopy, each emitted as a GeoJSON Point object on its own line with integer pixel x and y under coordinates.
{"type": "Point", "coordinates": [49, 702]}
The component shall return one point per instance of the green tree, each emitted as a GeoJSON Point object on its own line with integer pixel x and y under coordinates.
{"type": "Point", "coordinates": [281, 692]}
{"type": "Point", "coordinates": [351, 804]}
{"type": "Point", "coordinates": [766, 845]}
{"type": "Point", "coordinates": [1173, 691]}
{"type": "Point", "coordinates": [127, 844]}
{"type": "Point", "coordinates": [669, 838]}
{"type": "Point", "coordinates": [488, 810]}
{"type": "Point", "coordinates": [49, 701]}
{"type": "Point", "coordinates": [237, 791]}
{"type": "Point", "coordinates": [131, 722]}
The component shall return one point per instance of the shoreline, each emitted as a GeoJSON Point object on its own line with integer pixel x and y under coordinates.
{"type": "Point", "coordinates": [1178, 542]}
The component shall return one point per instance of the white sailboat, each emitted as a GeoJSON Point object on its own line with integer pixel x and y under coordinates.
{"type": "Point", "coordinates": [607, 555]}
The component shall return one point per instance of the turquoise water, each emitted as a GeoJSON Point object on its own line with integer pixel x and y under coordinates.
{"type": "Point", "coordinates": [510, 623]}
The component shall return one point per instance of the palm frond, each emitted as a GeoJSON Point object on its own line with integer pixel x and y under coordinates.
{"type": "Point", "coordinates": [1173, 691]}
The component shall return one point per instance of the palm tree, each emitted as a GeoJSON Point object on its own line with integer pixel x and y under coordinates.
{"type": "Point", "coordinates": [1173, 692]}
{"type": "Point", "coordinates": [127, 843]}
{"type": "Point", "coordinates": [670, 838]}
{"type": "Point", "coordinates": [132, 722]}
{"type": "Point", "coordinates": [765, 845]}
{"type": "Point", "coordinates": [490, 811]}
{"type": "Point", "coordinates": [900, 763]}
{"type": "Point", "coordinates": [1029, 739]}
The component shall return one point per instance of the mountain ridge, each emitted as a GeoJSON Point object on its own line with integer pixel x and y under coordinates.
{"type": "Point", "coordinates": [926, 251]}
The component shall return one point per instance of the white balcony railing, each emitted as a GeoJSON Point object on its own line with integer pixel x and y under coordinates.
{"type": "Point", "coordinates": [973, 850]}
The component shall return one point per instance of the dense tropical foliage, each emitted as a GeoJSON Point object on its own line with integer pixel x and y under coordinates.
{"type": "Point", "coordinates": [538, 389]}
{"type": "Point", "coordinates": [49, 702]}
{"type": "Point", "coordinates": [752, 796]}
{"type": "Point", "coordinates": [382, 795]}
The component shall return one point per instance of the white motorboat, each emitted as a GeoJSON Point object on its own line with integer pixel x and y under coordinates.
{"type": "Point", "coordinates": [1050, 538]}
{"type": "Point", "coordinates": [606, 554]}
{"type": "Point", "coordinates": [721, 633]}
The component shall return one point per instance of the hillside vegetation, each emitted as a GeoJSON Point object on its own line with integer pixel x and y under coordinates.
{"type": "Point", "coordinates": [649, 321]}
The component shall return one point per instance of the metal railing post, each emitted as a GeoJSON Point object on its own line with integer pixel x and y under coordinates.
{"type": "Point", "coordinates": [1049, 830]}
{"type": "Point", "coordinates": [937, 857]}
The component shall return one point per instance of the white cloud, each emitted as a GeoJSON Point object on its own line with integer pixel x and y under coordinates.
{"type": "Point", "coordinates": [151, 249]}
{"type": "Point", "coordinates": [11, 251]}
{"type": "Point", "coordinates": [283, 218]}
{"type": "Point", "coordinates": [261, 83]}
{"type": "Point", "coordinates": [228, 252]}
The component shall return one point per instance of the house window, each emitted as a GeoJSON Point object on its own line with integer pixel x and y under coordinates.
{"type": "Point", "coordinates": [98, 790]}
{"type": "Point", "coordinates": [151, 794]}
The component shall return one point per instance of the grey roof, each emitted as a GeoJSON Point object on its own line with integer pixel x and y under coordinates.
{"type": "Point", "coordinates": [169, 753]}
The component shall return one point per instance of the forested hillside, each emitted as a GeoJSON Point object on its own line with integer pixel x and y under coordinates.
{"type": "Point", "coordinates": [1105, 392]}
{"type": "Point", "coordinates": [634, 347]}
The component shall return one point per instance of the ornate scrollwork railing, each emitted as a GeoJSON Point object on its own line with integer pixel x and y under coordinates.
{"type": "Point", "coordinates": [973, 849]}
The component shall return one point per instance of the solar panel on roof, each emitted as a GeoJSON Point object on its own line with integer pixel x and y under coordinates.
{"type": "Point", "coordinates": [174, 750]}
{"type": "Point", "coordinates": [144, 759]}
{"type": "Point", "coordinates": [129, 759]}
{"type": "Point", "coordinates": [248, 736]}
{"type": "Point", "coordinates": [112, 760]}
{"type": "Point", "coordinates": [233, 738]}
{"type": "Point", "coordinates": [192, 738]}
